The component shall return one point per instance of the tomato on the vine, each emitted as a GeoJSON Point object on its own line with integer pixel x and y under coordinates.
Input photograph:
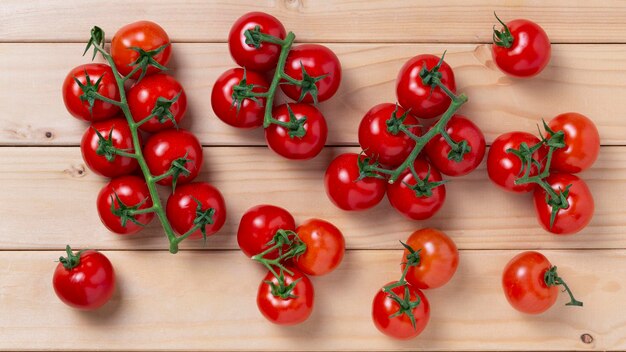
{"type": "Point", "coordinates": [582, 143]}
{"type": "Point", "coordinates": [292, 309]}
{"type": "Point", "coordinates": [179, 147]}
{"type": "Point", "coordinates": [258, 226]}
{"type": "Point", "coordinates": [124, 194]}
{"type": "Point", "coordinates": [246, 55]}
{"type": "Point", "coordinates": [188, 202]}
{"type": "Point", "coordinates": [319, 62]}
{"type": "Point", "coordinates": [101, 81]}
{"type": "Point", "coordinates": [280, 140]}
{"type": "Point", "coordinates": [325, 247]}
{"type": "Point", "coordinates": [439, 259]}
{"type": "Point", "coordinates": [114, 133]}
{"type": "Point", "coordinates": [384, 310]}
{"type": "Point", "coordinates": [246, 113]}
{"type": "Point", "coordinates": [414, 201]}
{"type": "Point", "coordinates": [138, 36]}
{"type": "Point", "coordinates": [155, 95]}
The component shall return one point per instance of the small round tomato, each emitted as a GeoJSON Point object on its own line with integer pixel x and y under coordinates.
{"type": "Point", "coordinates": [287, 310]}
{"type": "Point", "coordinates": [144, 35]}
{"type": "Point", "coordinates": [424, 101]}
{"type": "Point", "coordinates": [459, 128]}
{"type": "Point", "coordinates": [294, 147]}
{"type": "Point", "coordinates": [415, 203]}
{"type": "Point", "coordinates": [317, 60]}
{"type": "Point", "coordinates": [378, 141]}
{"type": "Point", "coordinates": [504, 167]}
{"type": "Point", "coordinates": [84, 280]}
{"type": "Point", "coordinates": [143, 98]}
{"type": "Point", "coordinates": [582, 142]}
{"type": "Point", "coordinates": [325, 247]}
{"type": "Point", "coordinates": [166, 147]}
{"type": "Point", "coordinates": [132, 192]}
{"type": "Point", "coordinates": [194, 201]}
{"type": "Point", "coordinates": [344, 188]}
{"type": "Point", "coordinates": [72, 92]}
{"type": "Point", "coordinates": [246, 113]}
{"type": "Point", "coordinates": [258, 226]}
{"type": "Point", "coordinates": [263, 58]}
{"type": "Point", "coordinates": [580, 205]}
{"type": "Point", "coordinates": [439, 259]}
{"type": "Point", "coordinates": [384, 310]}
{"type": "Point", "coordinates": [117, 132]}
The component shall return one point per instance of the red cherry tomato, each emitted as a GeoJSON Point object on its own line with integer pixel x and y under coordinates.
{"type": "Point", "coordinates": [85, 280]}
{"type": "Point", "coordinates": [345, 191]}
{"type": "Point", "coordinates": [459, 128]}
{"type": "Point", "coordinates": [400, 326]}
{"type": "Point", "coordinates": [145, 35]}
{"type": "Point", "coordinates": [317, 61]}
{"type": "Point", "coordinates": [529, 52]}
{"type": "Point", "coordinates": [325, 247]}
{"type": "Point", "coordinates": [297, 148]}
{"type": "Point", "coordinates": [250, 113]}
{"type": "Point", "coordinates": [143, 97]}
{"type": "Point", "coordinates": [576, 216]}
{"type": "Point", "coordinates": [406, 200]}
{"type": "Point", "coordinates": [263, 58]}
{"type": "Point", "coordinates": [132, 191]}
{"type": "Point", "coordinates": [524, 284]}
{"type": "Point", "coordinates": [107, 87]}
{"type": "Point", "coordinates": [258, 226]}
{"type": "Point", "coordinates": [423, 101]}
{"type": "Point", "coordinates": [379, 143]}
{"type": "Point", "coordinates": [582, 143]}
{"type": "Point", "coordinates": [439, 259]}
{"type": "Point", "coordinates": [182, 208]}
{"type": "Point", "coordinates": [165, 147]}
{"type": "Point", "coordinates": [286, 311]}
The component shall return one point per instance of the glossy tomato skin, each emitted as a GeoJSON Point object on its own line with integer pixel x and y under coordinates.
{"type": "Point", "coordinates": [258, 226]}
{"type": "Point", "coordinates": [413, 94]}
{"type": "Point", "coordinates": [576, 216]}
{"type": "Point", "coordinates": [143, 96]}
{"type": "Point", "coordinates": [145, 35]}
{"type": "Point", "coordinates": [504, 168]}
{"type": "Point", "coordinates": [400, 327]}
{"type": "Point", "coordinates": [439, 259]}
{"type": "Point", "coordinates": [131, 190]}
{"type": "Point", "coordinates": [523, 281]}
{"type": "Point", "coordinates": [325, 247]}
{"type": "Point", "coordinates": [459, 128]}
{"type": "Point", "coordinates": [250, 113]}
{"type": "Point", "coordinates": [582, 143]}
{"type": "Point", "coordinates": [107, 88]}
{"type": "Point", "coordinates": [345, 191]}
{"type": "Point", "coordinates": [530, 52]}
{"type": "Point", "coordinates": [317, 60]}
{"type": "Point", "coordinates": [297, 148]}
{"type": "Point", "coordinates": [405, 200]}
{"type": "Point", "coordinates": [121, 138]}
{"type": "Point", "coordinates": [266, 56]}
{"type": "Point", "coordinates": [165, 147]}
{"type": "Point", "coordinates": [181, 208]}
{"type": "Point", "coordinates": [87, 286]}
{"type": "Point", "coordinates": [288, 311]}
{"type": "Point", "coordinates": [380, 144]}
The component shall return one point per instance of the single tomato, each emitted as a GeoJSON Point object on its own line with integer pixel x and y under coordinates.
{"type": "Point", "coordinates": [258, 226]}
{"type": "Point", "coordinates": [88, 79]}
{"type": "Point", "coordinates": [97, 150]}
{"type": "Point", "coordinates": [322, 68]}
{"type": "Point", "coordinates": [160, 96]}
{"type": "Point", "coordinates": [196, 203]}
{"type": "Point", "coordinates": [438, 259]}
{"type": "Point", "coordinates": [286, 308]}
{"type": "Point", "coordinates": [116, 201]}
{"type": "Point", "coordinates": [387, 320]}
{"type": "Point", "coordinates": [245, 113]}
{"type": "Point", "coordinates": [288, 143]}
{"type": "Point", "coordinates": [418, 200]}
{"type": "Point", "coordinates": [166, 149]}
{"type": "Point", "coordinates": [265, 56]}
{"type": "Point", "coordinates": [325, 247]}
{"type": "Point", "coordinates": [141, 36]}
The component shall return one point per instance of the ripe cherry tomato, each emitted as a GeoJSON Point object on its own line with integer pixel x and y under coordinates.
{"type": "Point", "coordinates": [258, 226]}
{"type": "Point", "coordinates": [297, 148]}
{"type": "Point", "coordinates": [576, 216]}
{"type": "Point", "coordinates": [400, 327]}
{"type": "Point", "coordinates": [143, 97]}
{"type": "Point", "coordinates": [379, 143]}
{"type": "Point", "coordinates": [286, 311]}
{"type": "Point", "coordinates": [145, 35]}
{"type": "Point", "coordinates": [165, 147]}
{"type": "Point", "coordinates": [107, 87]}
{"type": "Point", "coordinates": [439, 259]}
{"type": "Point", "coordinates": [459, 128]}
{"type": "Point", "coordinates": [504, 167]}
{"type": "Point", "coordinates": [250, 113]}
{"type": "Point", "coordinates": [118, 133]}
{"type": "Point", "coordinates": [528, 53]}
{"type": "Point", "coordinates": [582, 143]}
{"type": "Point", "coordinates": [325, 247]}
{"type": "Point", "coordinates": [182, 208]}
{"type": "Point", "coordinates": [345, 191]}
{"type": "Point", "coordinates": [132, 192]}
{"type": "Point", "coordinates": [84, 280]}
{"type": "Point", "coordinates": [263, 58]}
{"type": "Point", "coordinates": [413, 94]}
{"type": "Point", "coordinates": [406, 200]}
{"type": "Point", "coordinates": [318, 61]}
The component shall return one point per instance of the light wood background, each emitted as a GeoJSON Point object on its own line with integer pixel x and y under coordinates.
{"type": "Point", "coordinates": [204, 297]}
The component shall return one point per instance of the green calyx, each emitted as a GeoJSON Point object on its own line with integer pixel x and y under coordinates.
{"type": "Point", "coordinates": [105, 145]}
{"type": "Point", "coordinates": [406, 305]}
{"type": "Point", "coordinates": [432, 77]}
{"type": "Point", "coordinates": [243, 91]}
{"type": "Point", "coordinates": [458, 152]}
{"type": "Point", "coordinates": [96, 39]}
{"type": "Point", "coordinates": [254, 37]}
{"type": "Point", "coordinates": [413, 258]}
{"type": "Point", "coordinates": [72, 260]}
{"type": "Point", "coordinates": [203, 217]}
{"type": "Point", "coordinates": [178, 168]}
{"type": "Point", "coordinates": [90, 91]}
{"type": "Point", "coordinates": [503, 37]}
{"type": "Point", "coordinates": [162, 109]}
{"type": "Point", "coordinates": [146, 59]}
{"type": "Point", "coordinates": [367, 167]}
{"type": "Point", "coordinates": [282, 290]}
{"type": "Point", "coordinates": [551, 278]}
{"type": "Point", "coordinates": [125, 212]}
{"type": "Point", "coordinates": [308, 85]}
{"type": "Point", "coordinates": [423, 187]}
{"type": "Point", "coordinates": [295, 125]}
{"type": "Point", "coordinates": [558, 203]}
{"type": "Point", "coordinates": [395, 123]}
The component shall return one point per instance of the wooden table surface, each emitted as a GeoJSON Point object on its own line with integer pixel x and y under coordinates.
{"type": "Point", "coordinates": [204, 297]}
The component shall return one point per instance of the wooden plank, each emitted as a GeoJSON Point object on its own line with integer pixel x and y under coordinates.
{"type": "Point", "coordinates": [325, 20]}
{"type": "Point", "coordinates": [48, 200]}
{"type": "Point", "coordinates": [584, 78]}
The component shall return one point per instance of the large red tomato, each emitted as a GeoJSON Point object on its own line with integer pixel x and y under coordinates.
{"type": "Point", "coordinates": [317, 60]}
{"type": "Point", "coordinates": [144, 35]}
{"type": "Point", "coordinates": [116, 134]}
{"type": "Point", "coordinates": [523, 50]}
{"type": "Point", "coordinates": [325, 247]}
{"type": "Point", "coordinates": [297, 147]}
{"type": "Point", "coordinates": [193, 201]}
{"type": "Point", "coordinates": [107, 87]}
{"type": "Point", "coordinates": [243, 114]}
{"type": "Point", "coordinates": [169, 146]}
{"type": "Point", "coordinates": [132, 192]}
{"type": "Point", "coordinates": [263, 58]}
{"type": "Point", "coordinates": [582, 143]}
{"type": "Point", "coordinates": [384, 310]}
{"type": "Point", "coordinates": [295, 307]}
{"type": "Point", "coordinates": [407, 200]}
{"type": "Point", "coordinates": [439, 259]}
{"type": "Point", "coordinates": [162, 89]}
{"type": "Point", "coordinates": [258, 226]}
